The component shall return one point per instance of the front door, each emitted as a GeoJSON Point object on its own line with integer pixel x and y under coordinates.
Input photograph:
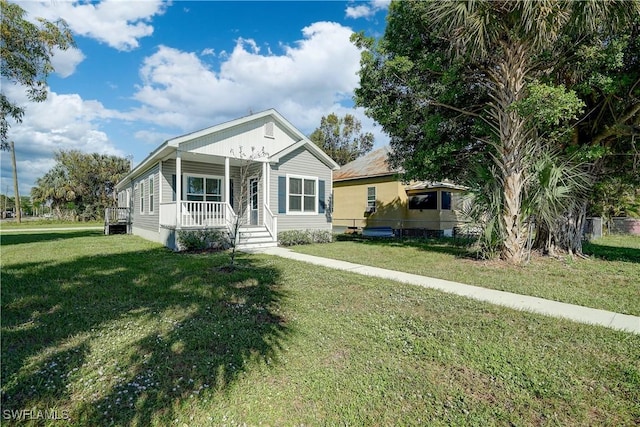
{"type": "Point", "coordinates": [253, 201]}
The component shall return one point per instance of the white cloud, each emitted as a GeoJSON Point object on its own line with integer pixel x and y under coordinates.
{"type": "Point", "coordinates": [61, 122]}
{"type": "Point", "coordinates": [366, 10]}
{"type": "Point", "coordinates": [303, 82]}
{"type": "Point", "coordinates": [66, 61]}
{"type": "Point", "coordinates": [120, 24]}
{"type": "Point", "coordinates": [360, 11]}
{"type": "Point", "coordinates": [208, 51]}
{"type": "Point", "coordinates": [151, 137]}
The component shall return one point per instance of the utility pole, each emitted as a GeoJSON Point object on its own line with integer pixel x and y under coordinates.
{"type": "Point", "coordinates": [15, 185]}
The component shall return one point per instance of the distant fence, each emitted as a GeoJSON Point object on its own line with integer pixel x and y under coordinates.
{"type": "Point", "coordinates": [594, 227]}
{"type": "Point", "coordinates": [624, 226]}
{"type": "Point", "coordinates": [404, 228]}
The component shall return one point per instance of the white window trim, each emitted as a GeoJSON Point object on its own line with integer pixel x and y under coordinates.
{"type": "Point", "coordinates": [185, 179]}
{"type": "Point", "coordinates": [309, 178]}
{"type": "Point", "coordinates": [151, 187]}
{"type": "Point", "coordinates": [141, 197]}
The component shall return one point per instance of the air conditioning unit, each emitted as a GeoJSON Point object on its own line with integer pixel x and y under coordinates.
{"type": "Point", "coordinates": [370, 209]}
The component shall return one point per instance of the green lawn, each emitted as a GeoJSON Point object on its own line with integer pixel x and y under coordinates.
{"type": "Point", "coordinates": [608, 280]}
{"type": "Point", "coordinates": [115, 330]}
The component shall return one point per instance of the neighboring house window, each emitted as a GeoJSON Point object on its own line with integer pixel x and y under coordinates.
{"type": "Point", "coordinates": [428, 200]}
{"type": "Point", "coordinates": [371, 199]}
{"type": "Point", "coordinates": [205, 189]}
{"type": "Point", "coordinates": [446, 200]}
{"type": "Point", "coordinates": [142, 197]}
{"type": "Point", "coordinates": [302, 194]}
{"type": "Point", "coordinates": [151, 194]}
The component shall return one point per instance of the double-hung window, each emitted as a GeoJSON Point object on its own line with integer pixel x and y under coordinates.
{"type": "Point", "coordinates": [302, 194]}
{"type": "Point", "coordinates": [371, 199]}
{"type": "Point", "coordinates": [141, 197]}
{"type": "Point", "coordinates": [204, 189]}
{"type": "Point", "coordinates": [151, 194]}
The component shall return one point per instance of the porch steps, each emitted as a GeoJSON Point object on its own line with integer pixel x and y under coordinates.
{"type": "Point", "coordinates": [253, 237]}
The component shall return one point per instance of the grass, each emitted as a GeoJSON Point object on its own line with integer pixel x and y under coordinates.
{"type": "Point", "coordinates": [608, 280]}
{"type": "Point", "coordinates": [115, 330]}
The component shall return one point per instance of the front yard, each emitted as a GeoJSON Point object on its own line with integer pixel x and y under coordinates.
{"type": "Point", "coordinates": [114, 330]}
{"type": "Point", "coordinates": [608, 280]}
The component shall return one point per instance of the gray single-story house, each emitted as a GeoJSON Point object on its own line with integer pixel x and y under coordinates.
{"type": "Point", "coordinates": [194, 181]}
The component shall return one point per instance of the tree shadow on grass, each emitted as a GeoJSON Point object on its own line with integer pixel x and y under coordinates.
{"type": "Point", "coordinates": [44, 236]}
{"type": "Point", "coordinates": [458, 247]}
{"type": "Point", "coordinates": [611, 253]}
{"type": "Point", "coordinates": [133, 337]}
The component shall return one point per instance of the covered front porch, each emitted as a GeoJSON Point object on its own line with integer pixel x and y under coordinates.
{"type": "Point", "coordinates": [205, 191]}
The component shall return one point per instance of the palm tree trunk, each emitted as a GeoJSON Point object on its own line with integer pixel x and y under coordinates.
{"type": "Point", "coordinates": [507, 87]}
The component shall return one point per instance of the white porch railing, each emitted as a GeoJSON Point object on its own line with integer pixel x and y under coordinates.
{"type": "Point", "coordinates": [116, 215]}
{"type": "Point", "coordinates": [271, 222]}
{"type": "Point", "coordinates": [205, 214]}
{"type": "Point", "coordinates": [230, 215]}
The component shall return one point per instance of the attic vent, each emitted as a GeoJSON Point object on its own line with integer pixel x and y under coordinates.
{"type": "Point", "coordinates": [268, 130]}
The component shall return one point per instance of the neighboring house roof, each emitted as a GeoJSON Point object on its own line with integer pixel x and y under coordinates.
{"type": "Point", "coordinates": [170, 146]}
{"type": "Point", "coordinates": [370, 165]}
{"type": "Point", "coordinates": [374, 164]}
{"type": "Point", "coordinates": [427, 185]}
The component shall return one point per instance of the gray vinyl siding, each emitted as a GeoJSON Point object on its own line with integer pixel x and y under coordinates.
{"type": "Point", "coordinates": [146, 220]}
{"type": "Point", "coordinates": [168, 170]}
{"type": "Point", "coordinates": [301, 162]}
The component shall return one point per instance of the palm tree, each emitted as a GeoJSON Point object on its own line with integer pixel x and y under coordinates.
{"type": "Point", "coordinates": [505, 40]}
{"type": "Point", "coordinates": [54, 187]}
{"type": "Point", "coordinates": [558, 187]}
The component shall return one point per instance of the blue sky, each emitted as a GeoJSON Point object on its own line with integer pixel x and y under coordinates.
{"type": "Point", "coordinates": [145, 71]}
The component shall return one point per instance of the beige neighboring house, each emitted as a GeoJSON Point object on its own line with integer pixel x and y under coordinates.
{"type": "Point", "coordinates": [367, 193]}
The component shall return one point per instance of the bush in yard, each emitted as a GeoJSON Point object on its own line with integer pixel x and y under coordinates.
{"type": "Point", "coordinates": [304, 237]}
{"type": "Point", "coordinates": [322, 236]}
{"type": "Point", "coordinates": [198, 240]}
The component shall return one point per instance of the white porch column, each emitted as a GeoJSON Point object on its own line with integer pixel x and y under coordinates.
{"type": "Point", "coordinates": [265, 190]}
{"type": "Point", "coordinates": [265, 183]}
{"type": "Point", "coordinates": [160, 179]}
{"type": "Point", "coordinates": [227, 178]}
{"type": "Point", "coordinates": [178, 189]}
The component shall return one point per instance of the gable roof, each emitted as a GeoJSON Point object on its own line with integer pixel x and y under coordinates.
{"type": "Point", "coordinates": [370, 165]}
{"type": "Point", "coordinates": [171, 145]}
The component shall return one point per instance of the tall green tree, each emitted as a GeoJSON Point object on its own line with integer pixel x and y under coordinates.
{"type": "Point", "coordinates": [342, 138]}
{"type": "Point", "coordinates": [85, 180]}
{"type": "Point", "coordinates": [453, 83]}
{"type": "Point", "coordinates": [25, 58]}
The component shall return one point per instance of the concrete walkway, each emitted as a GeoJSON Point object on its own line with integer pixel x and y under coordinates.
{"type": "Point", "coordinates": [623, 322]}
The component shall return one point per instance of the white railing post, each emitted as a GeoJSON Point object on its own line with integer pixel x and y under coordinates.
{"type": "Point", "coordinates": [271, 222]}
